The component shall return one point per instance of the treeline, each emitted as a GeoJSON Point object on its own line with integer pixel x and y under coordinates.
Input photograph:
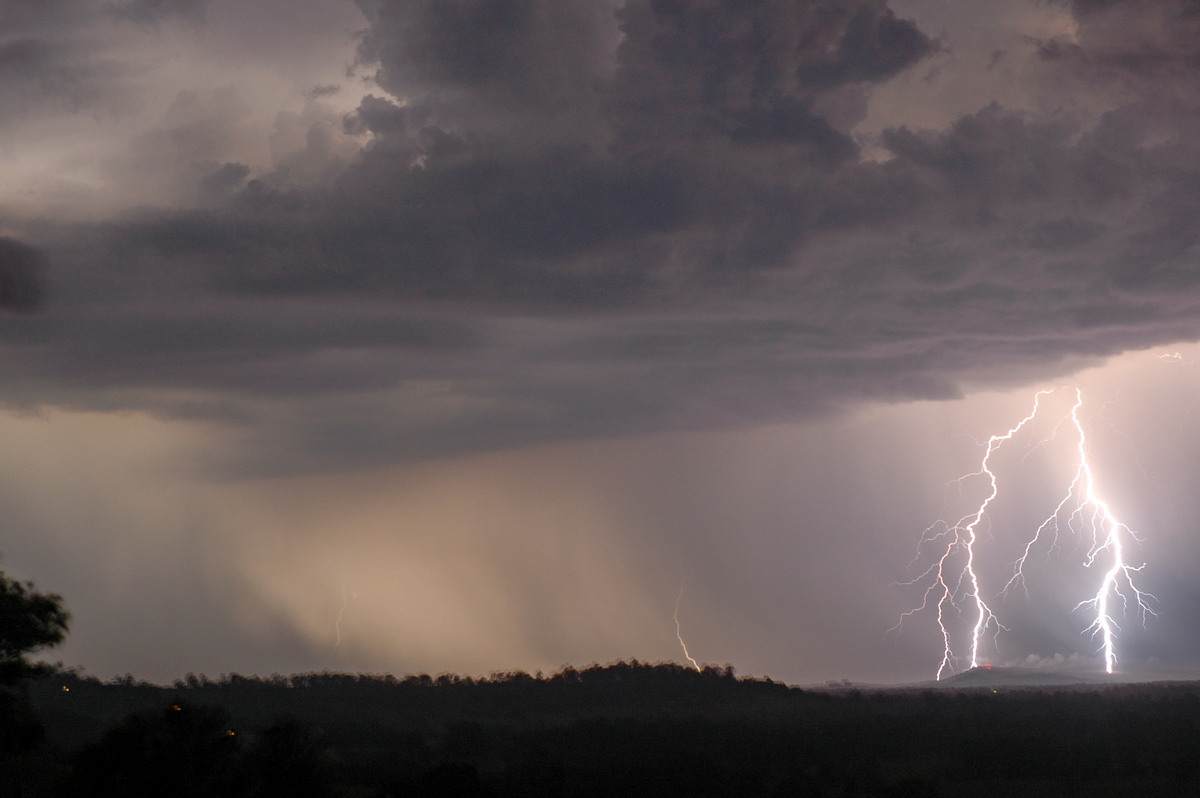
{"type": "Point", "coordinates": [631, 671]}
{"type": "Point", "coordinates": [622, 729]}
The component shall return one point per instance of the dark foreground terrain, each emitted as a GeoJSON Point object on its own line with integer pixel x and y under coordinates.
{"type": "Point", "coordinates": [626, 729]}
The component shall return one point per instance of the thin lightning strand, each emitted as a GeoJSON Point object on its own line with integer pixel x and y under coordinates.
{"type": "Point", "coordinates": [337, 624]}
{"type": "Point", "coordinates": [679, 632]}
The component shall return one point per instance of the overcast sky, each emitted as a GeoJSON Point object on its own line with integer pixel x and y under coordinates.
{"type": "Point", "coordinates": [417, 335]}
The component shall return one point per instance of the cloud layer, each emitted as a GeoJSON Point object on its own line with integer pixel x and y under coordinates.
{"type": "Point", "coordinates": [372, 253]}
{"type": "Point", "coordinates": [549, 220]}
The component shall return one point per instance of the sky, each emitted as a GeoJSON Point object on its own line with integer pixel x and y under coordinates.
{"type": "Point", "coordinates": [478, 335]}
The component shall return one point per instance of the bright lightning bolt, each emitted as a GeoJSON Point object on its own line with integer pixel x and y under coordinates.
{"type": "Point", "coordinates": [1091, 515]}
{"type": "Point", "coordinates": [679, 632]}
{"type": "Point", "coordinates": [960, 539]}
{"type": "Point", "coordinates": [953, 582]}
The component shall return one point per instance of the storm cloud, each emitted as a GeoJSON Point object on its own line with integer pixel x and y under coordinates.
{"type": "Point", "coordinates": [22, 276]}
{"type": "Point", "coordinates": [539, 205]}
{"type": "Point", "coordinates": [535, 301]}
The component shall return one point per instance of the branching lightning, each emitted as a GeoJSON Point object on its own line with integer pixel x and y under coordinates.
{"type": "Point", "coordinates": [1090, 515]}
{"type": "Point", "coordinates": [679, 632]}
{"type": "Point", "coordinates": [953, 581]}
{"type": "Point", "coordinates": [946, 587]}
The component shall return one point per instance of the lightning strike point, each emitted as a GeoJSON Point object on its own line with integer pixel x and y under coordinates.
{"type": "Point", "coordinates": [679, 632]}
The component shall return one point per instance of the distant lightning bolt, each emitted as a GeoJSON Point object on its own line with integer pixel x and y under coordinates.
{"type": "Point", "coordinates": [953, 579]}
{"type": "Point", "coordinates": [679, 632]}
{"type": "Point", "coordinates": [337, 624]}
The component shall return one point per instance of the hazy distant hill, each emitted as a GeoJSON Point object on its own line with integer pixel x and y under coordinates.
{"type": "Point", "coordinates": [1018, 677]}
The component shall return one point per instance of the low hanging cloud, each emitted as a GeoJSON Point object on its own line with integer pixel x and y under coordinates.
{"type": "Point", "coordinates": [577, 219]}
{"type": "Point", "coordinates": [152, 11]}
{"type": "Point", "coordinates": [22, 277]}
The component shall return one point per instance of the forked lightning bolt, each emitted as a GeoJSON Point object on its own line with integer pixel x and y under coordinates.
{"type": "Point", "coordinates": [953, 580]}
{"type": "Point", "coordinates": [960, 538]}
{"type": "Point", "coordinates": [1088, 515]}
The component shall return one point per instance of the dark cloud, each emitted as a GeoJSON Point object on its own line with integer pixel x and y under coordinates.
{"type": "Point", "coordinates": [693, 71]}
{"type": "Point", "coordinates": [630, 219]}
{"type": "Point", "coordinates": [36, 72]}
{"type": "Point", "coordinates": [525, 156]}
{"type": "Point", "coordinates": [324, 90]}
{"type": "Point", "coordinates": [501, 54]}
{"type": "Point", "coordinates": [52, 62]}
{"type": "Point", "coordinates": [21, 56]}
{"type": "Point", "coordinates": [1144, 48]}
{"type": "Point", "coordinates": [152, 11]}
{"type": "Point", "coordinates": [22, 277]}
{"type": "Point", "coordinates": [18, 15]}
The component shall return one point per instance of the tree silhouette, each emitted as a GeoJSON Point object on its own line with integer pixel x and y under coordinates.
{"type": "Point", "coordinates": [29, 622]}
{"type": "Point", "coordinates": [286, 762]}
{"type": "Point", "coordinates": [183, 751]}
{"type": "Point", "coordinates": [187, 750]}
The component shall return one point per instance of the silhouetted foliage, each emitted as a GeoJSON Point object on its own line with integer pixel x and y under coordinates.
{"type": "Point", "coordinates": [645, 730]}
{"type": "Point", "coordinates": [286, 762]}
{"type": "Point", "coordinates": [18, 727]}
{"type": "Point", "coordinates": [450, 780]}
{"type": "Point", "coordinates": [191, 751]}
{"type": "Point", "coordinates": [183, 750]}
{"type": "Point", "coordinates": [29, 622]}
